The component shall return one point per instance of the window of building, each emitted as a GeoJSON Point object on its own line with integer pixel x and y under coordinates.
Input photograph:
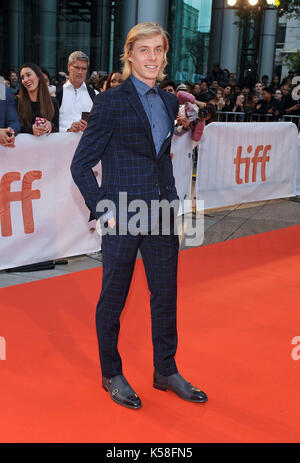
{"type": "Point", "coordinates": [46, 32]}
{"type": "Point", "coordinates": [280, 36]}
{"type": "Point", "coordinates": [189, 27]}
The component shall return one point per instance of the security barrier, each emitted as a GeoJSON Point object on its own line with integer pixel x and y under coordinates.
{"type": "Point", "coordinates": [43, 215]}
{"type": "Point", "coordinates": [228, 116]}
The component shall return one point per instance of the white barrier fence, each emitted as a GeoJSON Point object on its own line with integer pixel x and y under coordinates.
{"type": "Point", "coordinates": [244, 162]}
{"type": "Point", "coordinates": [43, 215]}
{"type": "Point", "coordinates": [298, 169]}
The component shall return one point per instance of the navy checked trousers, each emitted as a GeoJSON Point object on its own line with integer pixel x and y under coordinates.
{"type": "Point", "coordinates": [160, 258]}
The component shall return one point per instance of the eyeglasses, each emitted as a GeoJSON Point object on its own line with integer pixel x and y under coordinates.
{"type": "Point", "coordinates": [79, 68]}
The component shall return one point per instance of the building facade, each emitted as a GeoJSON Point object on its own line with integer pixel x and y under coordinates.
{"type": "Point", "coordinates": [287, 42]}
{"type": "Point", "coordinates": [47, 31]}
{"type": "Point", "coordinates": [202, 32]}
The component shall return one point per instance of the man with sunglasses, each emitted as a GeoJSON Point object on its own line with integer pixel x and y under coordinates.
{"type": "Point", "coordinates": [75, 97]}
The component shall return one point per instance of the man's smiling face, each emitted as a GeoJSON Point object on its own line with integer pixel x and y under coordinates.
{"type": "Point", "coordinates": [147, 58]}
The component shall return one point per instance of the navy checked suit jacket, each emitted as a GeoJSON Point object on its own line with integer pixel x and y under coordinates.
{"type": "Point", "coordinates": [119, 134]}
{"type": "Point", "coordinates": [8, 112]}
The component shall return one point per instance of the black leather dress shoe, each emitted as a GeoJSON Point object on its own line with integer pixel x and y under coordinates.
{"type": "Point", "coordinates": [180, 386]}
{"type": "Point", "coordinates": [121, 392]}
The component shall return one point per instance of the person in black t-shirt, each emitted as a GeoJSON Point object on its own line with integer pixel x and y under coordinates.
{"type": "Point", "coordinates": [269, 105]}
{"type": "Point", "coordinates": [290, 106]}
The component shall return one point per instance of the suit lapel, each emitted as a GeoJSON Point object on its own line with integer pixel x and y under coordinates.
{"type": "Point", "coordinates": [165, 99]}
{"type": "Point", "coordinates": [135, 102]}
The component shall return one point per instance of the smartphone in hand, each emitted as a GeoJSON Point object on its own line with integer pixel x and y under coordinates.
{"type": "Point", "coordinates": [85, 115]}
{"type": "Point", "coordinates": [39, 121]}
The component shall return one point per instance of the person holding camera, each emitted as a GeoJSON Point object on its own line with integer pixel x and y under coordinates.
{"type": "Point", "coordinates": [252, 106]}
{"type": "Point", "coordinates": [75, 98]}
{"type": "Point", "coordinates": [9, 122]}
{"type": "Point", "coordinates": [204, 116]}
{"type": "Point", "coordinates": [239, 104]}
{"type": "Point", "coordinates": [218, 101]}
{"type": "Point", "coordinates": [38, 111]}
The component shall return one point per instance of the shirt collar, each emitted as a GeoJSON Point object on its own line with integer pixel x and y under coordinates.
{"type": "Point", "coordinates": [141, 87]}
{"type": "Point", "coordinates": [68, 84]}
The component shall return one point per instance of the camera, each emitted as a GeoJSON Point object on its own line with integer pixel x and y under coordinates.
{"type": "Point", "coordinates": [202, 113]}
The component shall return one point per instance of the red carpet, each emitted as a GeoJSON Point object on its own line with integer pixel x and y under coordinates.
{"type": "Point", "coordinates": [238, 313]}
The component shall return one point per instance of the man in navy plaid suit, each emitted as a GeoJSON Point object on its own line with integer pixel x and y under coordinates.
{"type": "Point", "coordinates": [129, 130]}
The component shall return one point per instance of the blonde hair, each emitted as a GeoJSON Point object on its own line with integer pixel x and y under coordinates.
{"type": "Point", "coordinates": [143, 31]}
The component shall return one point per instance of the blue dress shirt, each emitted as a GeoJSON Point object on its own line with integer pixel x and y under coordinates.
{"type": "Point", "coordinates": [156, 111]}
{"type": "Point", "coordinates": [158, 117]}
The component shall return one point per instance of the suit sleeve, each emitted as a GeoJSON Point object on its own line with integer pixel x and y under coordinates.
{"type": "Point", "coordinates": [90, 151]}
{"type": "Point", "coordinates": [11, 113]}
{"type": "Point", "coordinates": [55, 120]}
{"type": "Point", "coordinates": [168, 166]}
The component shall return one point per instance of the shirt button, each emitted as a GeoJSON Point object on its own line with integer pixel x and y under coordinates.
{"type": "Point", "coordinates": [154, 126]}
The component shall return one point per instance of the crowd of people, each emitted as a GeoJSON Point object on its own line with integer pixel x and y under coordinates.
{"type": "Point", "coordinates": [38, 104]}
{"type": "Point", "coordinates": [274, 98]}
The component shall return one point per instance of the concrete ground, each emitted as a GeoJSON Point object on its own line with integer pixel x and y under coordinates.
{"type": "Point", "coordinates": [219, 225]}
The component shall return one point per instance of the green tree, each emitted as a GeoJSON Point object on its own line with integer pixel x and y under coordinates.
{"type": "Point", "coordinates": [293, 62]}
{"type": "Point", "coordinates": [291, 8]}
{"type": "Point", "coordinates": [194, 50]}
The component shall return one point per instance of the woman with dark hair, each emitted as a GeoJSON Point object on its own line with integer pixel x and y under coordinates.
{"type": "Point", "coordinates": [218, 101]}
{"type": "Point", "coordinates": [196, 89]}
{"type": "Point", "coordinates": [102, 83]}
{"type": "Point", "coordinates": [51, 88]}
{"type": "Point", "coordinates": [38, 111]}
{"type": "Point", "coordinates": [275, 84]}
{"type": "Point", "coordinates": [93, 81]}
{"type": "Point", "coordinates": [252, 105]}
{"type": "Point", "coordinates": [228, 98]}
{"type": "Point", "coordinates": [114, 79]}
{"type": "Point", "coordinates": [46, 75]}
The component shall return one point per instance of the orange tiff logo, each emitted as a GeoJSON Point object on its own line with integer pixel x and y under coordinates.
{"type": "Point", "coordinates": [26, 195]}
{"type": "Point", "coordinates": [254, 160]}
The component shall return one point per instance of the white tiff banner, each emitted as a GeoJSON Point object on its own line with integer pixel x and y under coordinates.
{"type": "Point", "coordinates": [298, 169]}
{"type": "Point", "coordinates": [182, 159]}
{"type": "Point", "coordinates": [42, 213]}
{"type": "Point", "coordinates": [244, 162]}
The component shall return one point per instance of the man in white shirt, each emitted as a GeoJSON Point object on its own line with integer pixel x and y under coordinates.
{"type": "Point", "coordinates": [75, 98]}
